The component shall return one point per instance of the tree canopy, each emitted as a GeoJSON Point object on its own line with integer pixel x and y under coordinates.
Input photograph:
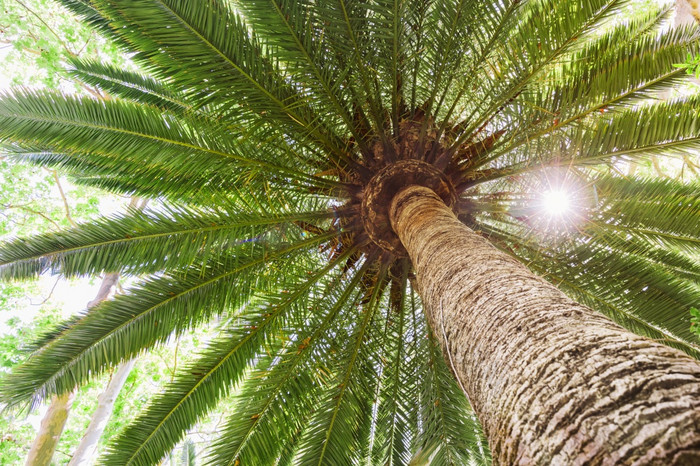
{"type": "Point", "coordinates": [259, 126]}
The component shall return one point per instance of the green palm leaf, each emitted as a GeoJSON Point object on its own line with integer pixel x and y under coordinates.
{"type": "Point", "coordinates": [393, 436]}
{"type": "Point", "coordinates": [130, 86]}
{"type": "Point", "coordinates": [199, 386]}
{"type": "Point", "coordinates": [451, 435]}
{"type": "Point", "coordinates": [118, 330]}
{"type": "Point", "coordinates": [332, 435]}
{"type": "Point", "coordinates": [273, 409]}
{"type": "Point", "coordinates": [126, 243]}
{"type": "Point", "coordinates": [118, 133]}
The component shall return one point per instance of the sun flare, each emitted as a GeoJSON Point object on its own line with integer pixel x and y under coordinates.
{"type": "Point", "coordinates": [556, 202]}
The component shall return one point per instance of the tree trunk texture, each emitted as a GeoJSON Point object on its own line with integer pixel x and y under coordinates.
{"type": "Point", "coordinates": [551, 381]}
{"type": "Point", "coordinates": [86, 451]}
{"type": "Point", "coordinates": [687, 12]}
{"type": "Point", "coordinates": [109, 281]}
{"type": "Point", "coordinates": [54, 420]}
{"type": "Point", "coordinates": [50, 430]}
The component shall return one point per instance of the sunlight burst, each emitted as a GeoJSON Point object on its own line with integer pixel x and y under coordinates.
{"type": "Point", "coordinates": [556, 202]}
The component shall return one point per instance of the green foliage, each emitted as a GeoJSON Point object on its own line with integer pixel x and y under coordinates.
{"type": "Point", "coordinates": [44, 37]}
{"type": "Point", "coordinates": [256, 126]}
{"type": "Point", "coordinates": [695, 320]}
{"type": "Point", "coordinates": [691, 65]}
{"type": "Point", "coordinates": [30, 202]}
{"type": "Point", "coordinates": [148, 375]}
{"type": "Point", "coordinates": [18, 434]}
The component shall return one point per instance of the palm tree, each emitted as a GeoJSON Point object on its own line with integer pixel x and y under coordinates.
{"type": "Point", "coordinates": [290, 144]}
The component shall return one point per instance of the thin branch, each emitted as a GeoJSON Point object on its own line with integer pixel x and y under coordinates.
{"type": "Point", "coordinates": [82, 49]}
{"type": "Point", "coordinates": [63, 196]}
{"type": "Point", "coordinates": [177, 347]}
{"type": "Point", "coordinates": [63, 453]}
{"type": "Point", "coordinates": [33, 212]}
{"type": "Point", "coordinates": [691, 165]}
{"type": "Point", "coordinates": [90, 90]}
{"type": "Point", "coordinates": [167, 367]}
{"type": "Point", "coordinates": [24, 49]}
{"type": "Point", "coordinates": [130, 388]}
{"type": "Point", "coordinates": [53, 288]}
{"type": "Point", "coordinates": [657, 167]}
{"type": "Point", "coordinates": [63, 44]}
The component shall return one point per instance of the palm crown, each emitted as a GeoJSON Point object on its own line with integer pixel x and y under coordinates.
{"type": "Point", "coordinates": [261, 125]}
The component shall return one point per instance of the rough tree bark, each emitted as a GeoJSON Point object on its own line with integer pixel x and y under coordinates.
{"type": "Point", "coordinates": [551, 381]}
{"type": "Point", "coordinates": [54, 420]}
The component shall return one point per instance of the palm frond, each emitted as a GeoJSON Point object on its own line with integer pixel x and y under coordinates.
{"type": "Point", "coordinates": [663, 129]}
{"type": "Point", "coordinates": [275, 405]}
{"type": "Point", "coordinates": [126, 243]}
{"type": "Point", "coordinates": [604, 77]}
{"type": "Point", "coordinates": [261, 127]}
{"type": "Point", "coordinates": [293, 29]}
{"type": "Point", "coordinates": [392, 434]}
{"type": "Point", "coordinates": [198, 387]}
{"type": "Point", "coordinates": [546, 31]}
{"type": "Point", "coordinates": [121, 135]}
{"type": "Point", "coordinates": [332, 435]}
{"type": "Point", "coordinates": [633, 284]}
{"type": "Point", "coordinates": [662, 212]}
{"type": "Point", "coordinates": [450, 433]}
{"type": "Point", "coordinates": [229, 70]}
{"type": "Point", "coordinates": [148, 315]}
{"type": "Point", "coordinates": [130, 85]}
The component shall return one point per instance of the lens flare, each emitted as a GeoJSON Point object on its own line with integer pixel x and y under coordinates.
{"type": "Point", "coordinates": [556, 202]}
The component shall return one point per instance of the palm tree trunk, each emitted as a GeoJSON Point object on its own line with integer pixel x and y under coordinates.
{"type": "Point", "coordinates": [551, 381]}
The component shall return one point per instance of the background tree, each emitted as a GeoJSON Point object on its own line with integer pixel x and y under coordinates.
{"type": "Point", "coordinates": [37, 39]}
{"type": "Point", "coordinates": [267, 143]}
{"type": "Point", "coordinates": [54, 421]}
